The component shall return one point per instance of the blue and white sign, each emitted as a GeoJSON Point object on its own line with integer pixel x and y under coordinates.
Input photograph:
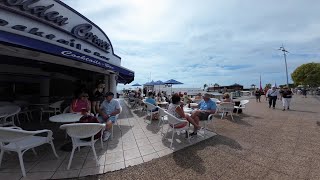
{"type": "Point", "coordinates": [53, 27]}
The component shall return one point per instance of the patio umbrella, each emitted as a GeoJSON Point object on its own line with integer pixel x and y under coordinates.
{"type": "Point", "coordinates": [149, 84]}
{"type": "Point", "coordinates": [136, 84]}
{"type": "Point", "coordinates": [159, 83]}
{"type": "Point", "coordinates": [171, 82]}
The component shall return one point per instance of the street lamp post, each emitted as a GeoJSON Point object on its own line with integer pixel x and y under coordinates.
{"type": "Point", "coordinates": [285, 61]}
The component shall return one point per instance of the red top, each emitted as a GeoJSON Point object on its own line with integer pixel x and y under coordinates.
{"type": "Point", "coordinates": [79, 104]}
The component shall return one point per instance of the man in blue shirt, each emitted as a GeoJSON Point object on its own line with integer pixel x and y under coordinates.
{"type": "Point", "coordinates": [109, 110]}
{"type": "Point", "coordinates": [205, 108]}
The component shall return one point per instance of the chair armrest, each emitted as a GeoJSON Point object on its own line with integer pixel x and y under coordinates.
{"type": "Point", "coordinates": [180, 120]}
{"type": "Point", "coordinates": [49, 132]}
{"type": "Point", "coordinates": [14, 127]}
{"type": "Point", "coordinates": [211, 116]}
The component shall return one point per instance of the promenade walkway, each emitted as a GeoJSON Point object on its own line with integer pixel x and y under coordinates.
{"type": "Point", "coordinates": [262, 144]}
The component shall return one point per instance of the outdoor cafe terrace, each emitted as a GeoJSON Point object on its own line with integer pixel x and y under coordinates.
{"type": "Point", "coordinates": [135, 141]}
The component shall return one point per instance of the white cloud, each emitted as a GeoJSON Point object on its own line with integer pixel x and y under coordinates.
{"type": "Point", "coordinates": [195, 41]}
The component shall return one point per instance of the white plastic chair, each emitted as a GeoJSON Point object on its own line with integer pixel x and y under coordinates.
{"type": "Point", "coordinates": [53, 108]}
{"type": "Point", "coordinates": [18, 140]}
{"type": "Point", "coordinates": [78, 131]}
{"type": "Point", "coordinates": [24, 109]}
{"type": "Point", "coordinates": [11, 111]}
{"type": "Point", "coordinates": [206, 122]}
{"type": "Point", "coordinates": [142, 105]}
{"type": "Point", "coordinates": [115, 122]}
{"type": "Point", "coordinates": [242, 105]}
{"type": "Point", "coordinates": [151, 107]}
{"type": "Point", "coordinates": [174, 125]}
{"type": "Point", "coordinates": [66, 110]}
{"type": "Point", "coordinates": [134, 103]}
{"type": "Point", "coordinates": [226, 107]}
{"type": "Point", "coordinates": [163, 118]}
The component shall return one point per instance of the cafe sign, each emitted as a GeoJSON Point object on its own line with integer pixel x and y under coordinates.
{"type": "Point", "coordinates": [54, 22]}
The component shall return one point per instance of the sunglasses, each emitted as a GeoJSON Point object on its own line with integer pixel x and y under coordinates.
{"type": "Point", "coordinates": [85, 96]}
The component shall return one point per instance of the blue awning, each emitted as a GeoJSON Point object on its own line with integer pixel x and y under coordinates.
{"type": "Point", "coordinates": [124, 75]}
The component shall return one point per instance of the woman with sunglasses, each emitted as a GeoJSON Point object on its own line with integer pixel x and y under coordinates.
{"type": "Point", "coordinates": [81, 103]}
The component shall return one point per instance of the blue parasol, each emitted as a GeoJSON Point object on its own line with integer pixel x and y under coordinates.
{"type": "Point", "coordinates": [159, 83]}
{"type": "Point", "coordinates": [171, 82]}
{"type": "Point", "coordinates": [136, 84]}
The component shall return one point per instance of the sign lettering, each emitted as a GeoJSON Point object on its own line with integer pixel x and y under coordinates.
{"type": "Point", "coordinates": [82, 31]}
{"type": "Point", "coordinates": [40, 11]}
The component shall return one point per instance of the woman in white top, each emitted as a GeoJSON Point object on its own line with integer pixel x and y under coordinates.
{"type": "Point", "coordinates": [177, 111]}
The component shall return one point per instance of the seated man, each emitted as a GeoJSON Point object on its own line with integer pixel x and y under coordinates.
{"type": "Point", "coordinates": [152, 101]}
{"type": "Point", "coordinates": [108, 110]}
{"type": "Point", "coordinates": [206, 107]}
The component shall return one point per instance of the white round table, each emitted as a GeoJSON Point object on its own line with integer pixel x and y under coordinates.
{"type": "Point", "coordinates": [66, 118]}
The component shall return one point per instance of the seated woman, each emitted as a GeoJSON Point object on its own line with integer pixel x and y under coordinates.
{"type": "Point", "coordinates": [176, 110]}
{"type": "Point", "coordinates": [152, 101]}
{"type": "Point", "coordinates": [226, 98]}
{"type": "Point", "coordinates": [81, 104]}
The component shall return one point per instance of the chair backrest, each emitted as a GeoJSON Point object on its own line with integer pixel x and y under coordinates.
{"type": "Point", "coordinates": [214, 99]}
{"type": "Point", "coordinates": [120, 112]}
{"type": "Point", "coordinates": [226, 106]}
{"type": "Point", "coordinates": [244, 102]}
{"type": "Point", "coordinates": [66, 110]}
{"type": "Point", "coordinates": [173, 120]}
{"type": "Point", "coordinates": [5, 103]}
{"type": "Point", "coordinates": [161, 111]}
{"type": "Point", "coordinates": [197, 100]}
{"type": "Point", "coordinates": [82, 130]}
{"type": "Point", "coordinates": [56, 105]}
{"type": "Point", "coordinates": [150, 106]}
{"type": "Point", "coordinates": [10, 110]}
{"type": "Point", "coordinates": [8, 134]}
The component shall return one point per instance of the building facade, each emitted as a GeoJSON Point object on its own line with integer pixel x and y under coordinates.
{"type": "Point", "coordinates": [47, 48]}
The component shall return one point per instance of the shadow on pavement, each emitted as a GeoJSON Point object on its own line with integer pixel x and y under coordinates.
{"type": "Point", "coordinates": [302, 111]}
{"type": "Point", "coordinates": [188, 158]}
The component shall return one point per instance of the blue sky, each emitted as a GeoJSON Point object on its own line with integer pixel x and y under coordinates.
{"type": "Point", "coordinates": [208, 41]}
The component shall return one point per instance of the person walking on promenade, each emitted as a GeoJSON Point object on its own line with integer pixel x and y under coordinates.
{"type": "Point", "coordinates": [258, 95]}
{"type": "Point", "coordinates": [265, 93]}
{"type": "Point", "coordinates": [304, 92]}
{"type": "Point", "coordinates": [272, 94]}
{"type": "Point", "coordinates": [286, 95]}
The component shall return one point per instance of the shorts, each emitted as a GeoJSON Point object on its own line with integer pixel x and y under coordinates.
{"type": "Point", "coordinates": [203, 116]}
{"type": "Point", "coordinates": [111, 118]}
{"type": "Point", "coordinates": [155, 109]}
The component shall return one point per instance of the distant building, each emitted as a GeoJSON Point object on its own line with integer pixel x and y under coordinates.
{"type": "Point", "coordinates": [231, 88]}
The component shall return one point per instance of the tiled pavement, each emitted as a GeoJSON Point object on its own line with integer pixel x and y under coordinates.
{"type": "Point", "coordinates": [262, 144]}
{"type": "Point", "coordinates": [136, 143]}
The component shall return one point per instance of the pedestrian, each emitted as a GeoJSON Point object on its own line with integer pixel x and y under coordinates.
{"type": "Point", "coordinates": [272, 94]}
{"type": "Point", "coordinates": [265, 93]}
{"type": "Point", "coordinates": [286, 95]}
{"type": "Point", "coordinates": [258, 95]}
{"type": "Point", "coordinates": [304, 92]}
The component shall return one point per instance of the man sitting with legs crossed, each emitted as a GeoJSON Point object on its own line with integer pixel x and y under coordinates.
{"type": "Point", "coordinates": [206, 107]}
{"type": "Point", "coordinates": [108, 110]}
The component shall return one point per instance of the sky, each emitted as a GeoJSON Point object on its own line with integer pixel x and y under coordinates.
{"type": "Point", "coordinates": [208, 41]}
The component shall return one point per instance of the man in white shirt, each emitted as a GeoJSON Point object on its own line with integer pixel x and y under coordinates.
{"type": "Point", "coordinates": [109, 110]}
{"type": "Point", "coordinates": [272, 94]}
